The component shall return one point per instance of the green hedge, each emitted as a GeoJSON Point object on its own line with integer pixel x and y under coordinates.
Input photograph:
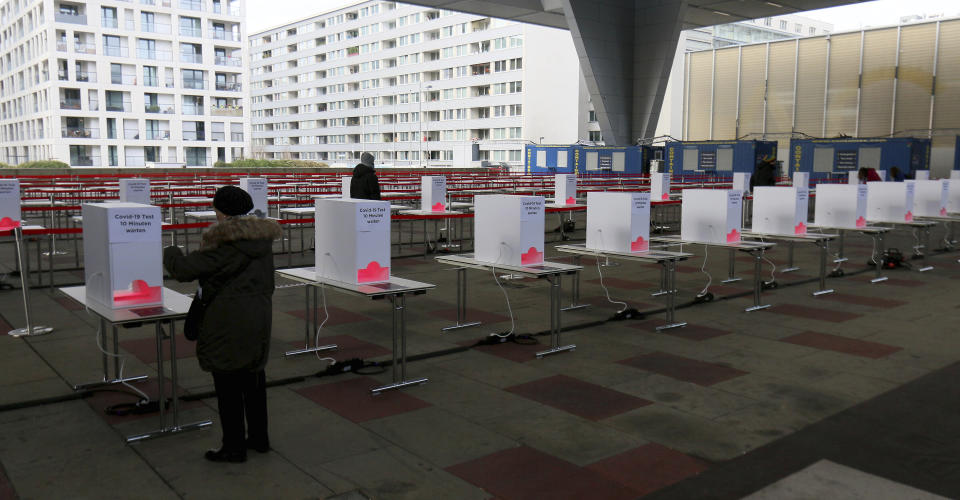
{"type": "Point", "coordinates": [270, 164]}
{"type": "Point", "coordinates": [39, 164]}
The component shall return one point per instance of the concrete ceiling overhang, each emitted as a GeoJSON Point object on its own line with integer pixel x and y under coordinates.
{"type": "Point", "coordinates": [698, 13]}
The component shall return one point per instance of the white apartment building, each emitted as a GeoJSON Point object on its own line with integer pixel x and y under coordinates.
{"type": "Point", "coordinates": [413, 85]}
{"type": "Point", "coordinates": [123, 83]}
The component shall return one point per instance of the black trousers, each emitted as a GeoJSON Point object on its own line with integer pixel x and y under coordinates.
{"type": "Point", "coordinates": [242, 394]}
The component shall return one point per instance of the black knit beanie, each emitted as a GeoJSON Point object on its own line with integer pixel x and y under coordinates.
{"type": "Point", "coordinates": [232, 201]}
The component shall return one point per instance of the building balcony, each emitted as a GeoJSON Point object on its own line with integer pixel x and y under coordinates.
{"type": "Point", "coordinates": [123, 79]}
{"type": "Point", "coordinates": [115, 51]}
{"type": "Point", "coordinates": [226, 111]}
{"type": "Point", "coordinates": [86, 76]}
{"type": "Point", "coordinates": [191, 5]}
{"type": "Point", "coordinates": [225, 35]}
{"type": "Point", "coordinates": [109, 22]}
{"type": "Point", "coordinates": [155, 55]}
{"type": "Point", "coordinates": [69, 103]}
{"type": "Point", "coordinates": [62, 75]}
{"type": "Point", "coordinates": [70, 18]}
{"type": "Point", "coordinates": [119, 107]}
{"type": "Point", "coordinates": [157, 135]}
{"type": "Point", "coordinates": [229, 86]}
{"type": "Point", "coordinates": [84, 48]}
{"type": "Point", "coordinates": [131, 134]}
{"type": "Point", "coordinates": [194, 32]}
{"type": "Point", "coordinates": [193, 136]}
{"type": "Point", "coordinates": [227, 61]}
{"type": "Point", "coordinates": [192, 58]}
{"type": "Point", "coordinates": [160, 28]}
{"type": "Point", "coordinates": [167, 110]}
{"type": "Point", "coordinates": [195, 84]}
{"type": "Point", "coordinates": [80, 133]}
{"type": "Point", "coordinates": [85, 161]}
{"type": "Point", "coordinates": [61, 46]}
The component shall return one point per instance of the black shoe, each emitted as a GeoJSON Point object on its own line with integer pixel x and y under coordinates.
{"type": "Point", "coordinates": [260, 448]}
{"type": "Point", "coordinates": [221, 455]}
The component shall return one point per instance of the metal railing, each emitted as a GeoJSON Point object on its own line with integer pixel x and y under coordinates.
{"type": "Point", "coordinates": [189, 135]}
{"type": "Point", "coordinates": [61, 17]}
{"type": "Point", "coordinates": [156, 55]}
{"type": "Point", "coordinates": [109, 22]}
{"type": "Point", "coordinates": [84, 48]}
{"type": "Point", "coordinates": [226, 111]}
{"type": "Point", "coordinates": [191, 58]}
{"type": "Point", "coordinates": [195, 84]}
{"type": "Point", "coordinates": [86, 76]}
{"type": "Point", "coordinates": [119, 107]}
{"type": "Point", "coordinates": [194, 32]}
{"type": "Point", "coordinates": [229, 86]}
{"type": "Point", "coordinates": [115, 51]}
{"type": "Point", "coordinates": [191, 5]}
{"type": "Point", "coordinates": [227, 61]}
{"type": "Point", "coordinates": [69, 103]}
{"type": "Point", "coordinates": [224, 35]}
{"type": "Point", "coordinates": [161, 28]}
{"type": "Point", "coordinates": [123, 79]}
{"type": "Point", "coordinates": [80, 133]}
{"type": "Point", "coordinates": [157, 135]}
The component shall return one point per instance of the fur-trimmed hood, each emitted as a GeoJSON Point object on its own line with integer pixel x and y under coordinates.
{"type": "Point", "coordinates": [241, 229]}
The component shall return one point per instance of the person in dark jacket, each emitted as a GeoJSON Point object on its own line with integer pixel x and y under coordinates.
{"type": "Point", "coordinates": [235, 269]}
{"type": "Point", "coordinates": [764, 174]}
{"type": "Point", "coordinates": [364, 184]}
{"type": "Point", "coordinates": [896, 175]}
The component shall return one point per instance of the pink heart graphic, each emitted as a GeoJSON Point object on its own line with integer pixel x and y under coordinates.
{"type": "Point", "coordinates": [641, 245]}
{"type": "Point", "coordinates": [571, 201]}
{"type": "Point", "coordinates": [861, 222]}
{"type": "Point", "coordinates": [665, 196]}
{"type": "Point", "coordinates": [531, 257]}
{"type": "Point", "coordinates": [139, 293]}
{"type": "Point", "coordinates": [438, 207]}
{"type": "Point", "coordinates": [6, 224]}
{"type": "Point", "coordinates": [373, 273]}
{"type": "Point", "coordinates": [734, 236]}
{"type": "Point", "coordinates": [943, 212]}
{"type": "Point", "coordinates": [908, 217]}
{"type": "Point", "coordinates": [800, 228]}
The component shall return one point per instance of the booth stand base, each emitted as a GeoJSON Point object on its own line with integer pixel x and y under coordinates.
{"type": "Point", "coordinates": [26, 332]}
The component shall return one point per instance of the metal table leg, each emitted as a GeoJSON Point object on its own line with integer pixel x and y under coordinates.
{"type": "Point", "coordinates": [663, 284]}
{"type": "Point", "coordinates": [311, 322]}
{"type": "Point", "coordinates": [575, 292]}
{"type": "Point", "coordinates": [555, 346]}
{"type": "Point", "coordinates": [878, 258]}
{"type": "Point", "coordinates": [461, 302]}
{"type": "Point", "coordinates": [822, 244]}
{"type": "Point", "coordinates": [107, 379]}
{"type": "Point", "coordinates": [731, 272]}
{"type": "Point", "coordinates": [399, 334]}
{"type": "Point", "coordinates": [926, 249]}
{"type": "Point", "coordinates": [790, 267]}
{"type": "Point", "coordinates": [162, 398]}
{"type": "Point", "coordinates": [670, 269]}
{"type": "Point", "coordinates": [757, 282]}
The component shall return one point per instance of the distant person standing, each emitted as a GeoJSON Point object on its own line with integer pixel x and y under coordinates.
{"type": "Point", "coordinates": [896, 175]}
{"type": "Point", "coordinates": [765, 174]}
{"type": "Point", "coordinates": [867, 174]}
{"type": "Point", "coordinates": [364, 185]}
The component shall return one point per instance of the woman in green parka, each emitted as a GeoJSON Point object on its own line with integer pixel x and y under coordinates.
{"type": "Point", "coordinates": [235, 268]}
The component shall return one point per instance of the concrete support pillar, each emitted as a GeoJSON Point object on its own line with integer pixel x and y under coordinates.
{"type": "Point", "coordinates": [626, 49]}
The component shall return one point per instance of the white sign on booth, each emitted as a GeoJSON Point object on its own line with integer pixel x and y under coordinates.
{"type": "Point", "coordinates": [841, 206]}
{"type": "Point", "coordinates": [508, 229]}
{"type": "Point", "coordinates": [741, 182]}
{"type": "Point", "coordinates": [921, 175]}
{"type": "Point", "coordinates": [135, 191]}
{"type": "Point", "coordinates": [433, 193]}
{"type": "Point", "coordinates": [853, 177]}
{"type": "Point", "coordinates": [618, 222]}
{"type": "Point", "coordinates": [711, 215]}
{"type": "Point", "coordinates": [352, 240]}
{"type": "Point", "coordinates": [345, 187]}
{"type": "Point", "coordinates": [122, 252]}
{"type": "Point", "coordinates": [955, 174]}
{"type": "Point", "coordinates": [659, 186]}
{"type": "Point", "coordinates": [931, 198]}
{"type": "Point", "coordinates": [801, 179]}
{"type": "Point", "coordinates": [565, 189]}
{"type": "Point", "coordinates": [890, 201]}
{"type": "Point", "coordinates": [256, 187]}
{"type": "Point", "coordinates": [9, 204]}
{"type": "Point", "coordinates": [780, 210]}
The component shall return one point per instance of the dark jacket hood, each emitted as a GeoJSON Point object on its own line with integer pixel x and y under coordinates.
{"type": "Point", "coordinates": [360, 170]}
{"type": "Point", "coordinates": [251, 235]}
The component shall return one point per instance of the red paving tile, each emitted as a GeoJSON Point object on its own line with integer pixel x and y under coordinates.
{"type": "Point", "coordinates": [348, 347]}
{"type": "Point", "coordinates": [744, 286]}
{"type": "Point", "coordinates": [590, 401]}
{"type": "Point", "coordinates": [450, 315]}
{"type": "Point", "coordinates": [689, 332]}
{"type": "Point", "coordinates": [101, 400]}
{"type": "Point", "coordinates": [68, 303]}
{"type": "Point", "coordinates": [817, 313]}
{"type": "Point", "coordinates": [861, 300]}
{"type": "Point", "coordinates": [612, 282]}
{"type": "Point", "coordinates": [845, 345]}
{"type": "Point", "coordinates": [338, 316]}
{"type": "Point", "coordinates": [524, 473]}
{"type": "Point", "coordinates": [686, 369]}
{"type": "Point", "coordinates": [146, 349]}
{"type": "Point", "coordinates": [648, 468]}
{"type": "Point", "coordinates": [352, 400]}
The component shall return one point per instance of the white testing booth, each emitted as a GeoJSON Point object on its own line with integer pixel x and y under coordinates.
{"type": "Point", "coordinates": [9, 204]}
{"type": "Point", "coordinates": [780, 210]}
{"type": "Point", "coordinates": [711, 215]}
{"type": "Point", "coordinates": [433, 193]}
{"type": "Point", "coordinates": [565, 189]}
{"type": "Point", "coordinates": [931, 198]}
{"type": "Point", "coordinates": [890, 201]}
{"type": "Point", "coordinates": [122, 254]}
{"type": "Point", "coordinates": [841, 206]}
{"type": "Point", "coordinates": [353, 240]}
{"type": "Point", "coordinates": [256, 187]}
{"type": "Point", "coordinates": [508, 229]}
{"type": "Point", "coordinates": [659, 186]}
{"type": "Point", "coordinates": [618, 222]}
{"type": "Point", "coordinates": [135, 191]}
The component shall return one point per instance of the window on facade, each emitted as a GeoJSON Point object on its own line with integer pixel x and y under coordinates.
{"type": "Point", "coordinates": [195, 157]}
{"type": "Point", "coordinates": [108, 16]}
{"type": "Point", "coordinates": [783, 25]}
